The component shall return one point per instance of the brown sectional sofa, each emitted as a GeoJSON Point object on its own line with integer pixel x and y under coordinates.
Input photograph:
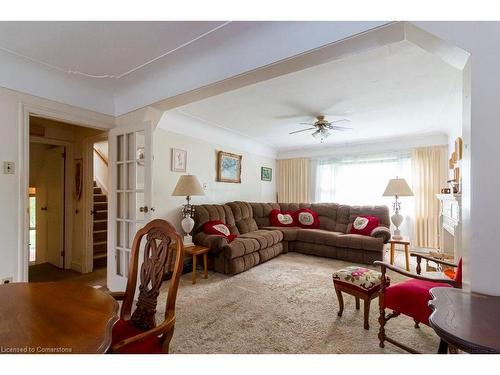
{"type": "Point", "coordinates": [258, 241]}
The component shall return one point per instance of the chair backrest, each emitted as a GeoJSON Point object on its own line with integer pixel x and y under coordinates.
{"type": "Point", "coordinates": [161, 247]}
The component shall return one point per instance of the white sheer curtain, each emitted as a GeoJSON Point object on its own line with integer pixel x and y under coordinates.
{"type": "Point", "coordinates": [361, 180]}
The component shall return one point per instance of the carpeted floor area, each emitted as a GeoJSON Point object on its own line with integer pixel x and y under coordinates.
{"type": "Point", "coordinates": [286, 305]}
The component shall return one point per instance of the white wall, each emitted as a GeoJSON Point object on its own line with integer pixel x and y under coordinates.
{"type": "Point", "coordinates": [201, 161]}
{"type": "Point", "coordinates": [383, 145]}
{"type": "Point", "coordinates": [101, 174]}
{"type": "Point", "coordinates": [480, 132]}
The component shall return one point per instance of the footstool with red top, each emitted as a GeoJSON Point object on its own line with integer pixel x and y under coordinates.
{"type": "Point", "coordinates": [360, 282]}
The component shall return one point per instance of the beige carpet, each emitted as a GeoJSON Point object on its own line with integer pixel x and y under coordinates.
{"type": "Point", "coordinates": [286, 305]}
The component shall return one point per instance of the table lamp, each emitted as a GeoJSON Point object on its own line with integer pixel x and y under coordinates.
{"type": "Point", "coordinates": [188, 185]}
{"type": "Point", "coordinates": [397, 187]}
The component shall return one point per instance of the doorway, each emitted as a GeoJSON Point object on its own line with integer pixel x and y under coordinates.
{"type": "Point", "coordinates": [58, 209]}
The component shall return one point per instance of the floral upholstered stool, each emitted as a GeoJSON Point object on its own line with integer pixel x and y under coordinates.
{"type": "Point", "coordinates": [360, 282]}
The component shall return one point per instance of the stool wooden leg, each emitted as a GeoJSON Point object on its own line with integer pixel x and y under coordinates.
{"type": "Point", "coordinates": [341, 302]}
{"type": "Point", "coordinates": [407, 255]}
{"type": "Point", "coordinates": [392, 254]}
{"type": "Point", "coordinates": [193, 278]}
{"type": "Point", "coordinates": [367, 312]}
{"type": "Point", "coordinates": [205, 268]}
{"type": "Point", "coordinates": [357, 303]}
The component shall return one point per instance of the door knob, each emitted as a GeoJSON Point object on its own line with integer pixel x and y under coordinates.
{"type": "Point", "coordinates": [143, 209]}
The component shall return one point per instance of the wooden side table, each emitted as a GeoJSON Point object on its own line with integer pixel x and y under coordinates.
{"type": "Point", "coordinates": [393, 242]}
{"type": "Point", "coordinates": [467, 321]}
{"type": "Point", "coordinates": [194, 251]}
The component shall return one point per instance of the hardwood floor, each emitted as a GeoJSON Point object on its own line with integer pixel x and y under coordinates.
{"type": "Point", "coordinates": [47, 272]}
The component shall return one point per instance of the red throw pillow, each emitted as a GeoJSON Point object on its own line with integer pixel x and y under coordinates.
{"type": "Point", "coordinates": [282, 218]}
{"type": "Point", "coordinates": [219, 228]}
{"type": "Point", "coordinates": [364, 225]}
{"type": "Point", "coordinates": [307, 218]}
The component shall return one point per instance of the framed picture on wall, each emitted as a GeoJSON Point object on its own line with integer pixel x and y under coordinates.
{"type": "Point", "coordinates": [266, 174]}
{"type": "Point", "coordinates": [178, 160]}
{"type": "Point", "coordinates": [228, 167]}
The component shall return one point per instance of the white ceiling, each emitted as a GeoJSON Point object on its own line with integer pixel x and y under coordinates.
{"type": "Point", "coordinates": [392, 91]}
{"type": "Point", "coordinates": [98, 49]}
{"type": "Point", "coordinates": [116, 67]}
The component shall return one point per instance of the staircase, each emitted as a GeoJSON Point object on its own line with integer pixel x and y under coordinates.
{"type": "Point", "coordinates": [100, 227]}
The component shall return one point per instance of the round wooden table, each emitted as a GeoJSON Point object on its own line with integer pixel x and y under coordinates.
{"type": "Point", "coordinates": [55, 317]}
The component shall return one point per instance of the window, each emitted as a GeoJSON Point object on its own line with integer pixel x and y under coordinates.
{"type": "Point", "coordinates": [32, 205]}
{"type": "Point", "coordinates": [361, 180]}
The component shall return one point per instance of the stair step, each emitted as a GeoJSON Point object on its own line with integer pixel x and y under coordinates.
{"type": "Point", "coordinates": [101, 215]}
{"type": "Point", "coordinates": [97, 190]}
{"type": "Point", "coordinates": [100, 255]}
{"type": "Point", "coordinates": [95, 183]}
{"type": "Point", "coordinates": [100, 262]}
{"type": "Point", "coordinates": [100, 236]}
{"type": "Point", "coordinates": [100, 198]}
{"type": "Point", "coordinates": [100, 247]}
{"type": "Point", "coordinates": [100, 225]}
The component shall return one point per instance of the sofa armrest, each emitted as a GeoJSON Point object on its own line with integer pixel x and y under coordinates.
{"type": "Point", "coordinates": [214, 242]}
{"type": "Point", "coordinates": [381, 232]}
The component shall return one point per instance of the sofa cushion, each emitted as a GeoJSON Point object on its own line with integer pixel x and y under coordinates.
{"type": "Point", "coordinates": [209, 212]}
{"type": "Point", "coordinates": [241, 246]}
{"type": "Point", "coordinates": [282, 218]}
{"type": "Point", "coordinates": [364, 225]}
{"type": "Point", "coordinates": [266, 238]}
{"type": "Point", "coordinates": [289, 233]}
{"type": "Point", "coordinates": [307, 218]}
{"type": "Point", "coordinates": [318, 236]}
{"type": "Point", "coordinates": [357, 241]}
{"type": "Point", "coordinates": [243, 216]}
{"type": "Point", "coordinates": [261, 213]}
{"type": "Point", "coordinates": [219, 228]}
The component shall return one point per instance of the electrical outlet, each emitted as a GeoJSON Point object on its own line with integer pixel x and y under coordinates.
{"type": "Point", "coordinates": [205, 186]}
{"type": "Point", "coordinates": [6, 280]}
{"type": "Point", "coordinates": [8, 167]}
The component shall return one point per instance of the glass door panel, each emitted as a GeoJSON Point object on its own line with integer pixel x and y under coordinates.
{"type": "Point", "coordinates": [130, 197]}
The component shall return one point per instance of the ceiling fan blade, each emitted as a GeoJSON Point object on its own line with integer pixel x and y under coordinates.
{"type": "Point", "coordinates": [339, 128]}
{"type": "Point", "coordinates": [303, 130]}
{"type": "Point", "coordinates": [341, 121]}
{"type": "Point", "coordinates": [306, 123]}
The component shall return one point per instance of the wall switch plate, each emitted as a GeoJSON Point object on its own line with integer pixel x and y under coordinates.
{"type": "Point", "coordinates": [9, 167]}
{"type": "Point", "coordinates": [205, 186]}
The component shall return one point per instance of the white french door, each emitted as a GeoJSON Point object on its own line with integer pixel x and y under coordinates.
{"type": "Point", "coordinates": [130, 157]}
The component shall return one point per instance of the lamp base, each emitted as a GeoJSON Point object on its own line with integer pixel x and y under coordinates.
{"type": "Point", "coordinates": [397, 235]}
{"type": "Point", "coordinates": [187, 241]}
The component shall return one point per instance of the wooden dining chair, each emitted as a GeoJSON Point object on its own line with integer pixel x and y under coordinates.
{"type": "Point", "coordinates": [137, 332]}
{"type": "Point", "coordinates": [411, 296]}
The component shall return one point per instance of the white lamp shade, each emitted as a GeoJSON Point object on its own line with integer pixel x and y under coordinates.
{"type": "Point", "coordinates": [399, 187]}
{"type": "Point", "coordinates": [188, 185]}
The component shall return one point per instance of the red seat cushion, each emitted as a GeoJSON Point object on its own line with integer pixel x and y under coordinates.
{"type": "Point", "coordinates": [124, 329]}
{"type": "Point", "coordinates": [410, 298]}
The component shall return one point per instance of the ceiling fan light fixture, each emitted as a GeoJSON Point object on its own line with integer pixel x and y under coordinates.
{"type": "Point", "coordinates": [317, 134]}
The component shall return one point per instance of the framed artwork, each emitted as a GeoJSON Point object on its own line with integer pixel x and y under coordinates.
{"type": "Point", "coordinates": [179, 160]}
{"type": "Point", "coordinates": [228, 167]}
{"type": "Point", "coordinates": [266, 174]}
{"type": "Point", "coordinates": [78, 178]}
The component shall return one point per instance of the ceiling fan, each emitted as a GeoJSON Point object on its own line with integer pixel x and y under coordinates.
{"type": "Point", "coordinates": [322, 128]}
